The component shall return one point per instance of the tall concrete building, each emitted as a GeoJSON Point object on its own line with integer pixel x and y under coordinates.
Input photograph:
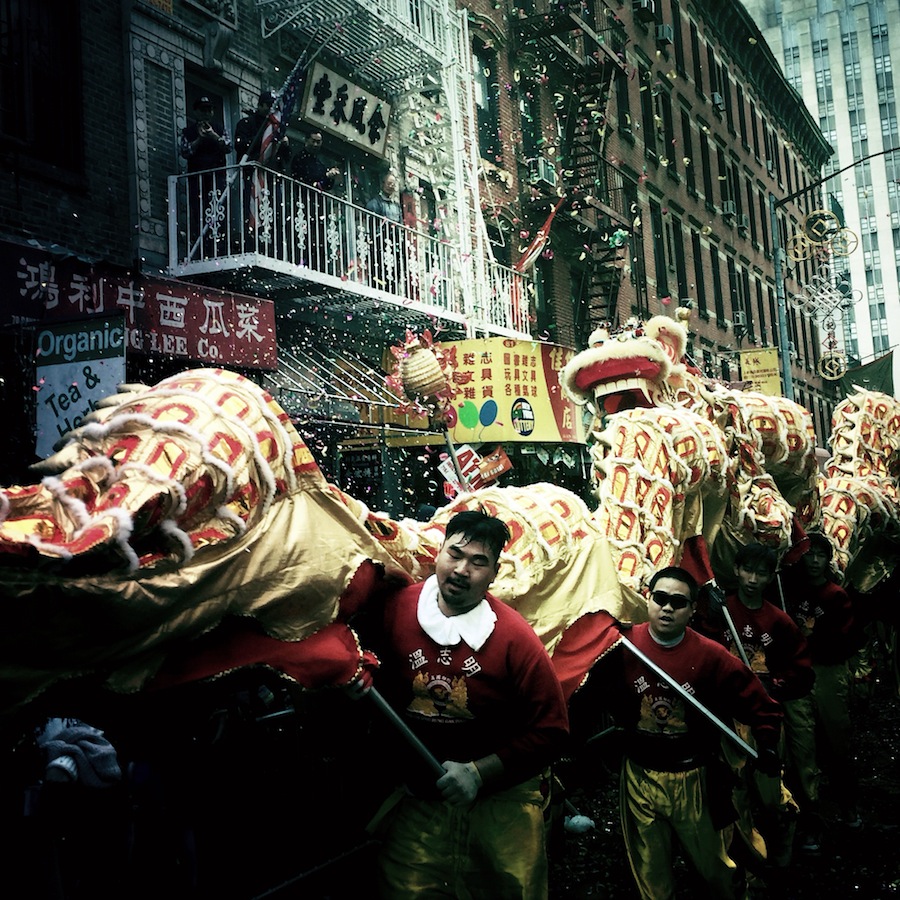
{"type": "Point", "coordinates": [838, 56]}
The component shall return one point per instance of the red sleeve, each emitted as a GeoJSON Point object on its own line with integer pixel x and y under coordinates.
{"type": "Point", "coordinates": [544, 730]}
{"type": "Point", "coordinates": [790, 663]}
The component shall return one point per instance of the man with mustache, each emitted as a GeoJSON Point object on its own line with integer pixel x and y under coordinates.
{"type": "Point", "coordinates": [473, 682]}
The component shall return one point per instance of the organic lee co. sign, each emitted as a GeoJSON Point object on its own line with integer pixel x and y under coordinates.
{"type": "Point", "coordinates": [181, 320]}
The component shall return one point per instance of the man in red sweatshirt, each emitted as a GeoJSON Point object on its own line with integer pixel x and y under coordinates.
{"type": "Point", "coordinates": [473, 682]}
{"type": "Point", "coordinates": [824, 612]}
{"type": "Point", "coordinates": [769, 641]}
{"type": "Point", "coordinates": [667, 789]}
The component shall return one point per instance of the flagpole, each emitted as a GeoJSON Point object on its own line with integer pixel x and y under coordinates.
{"type": "Point", "coordinates": [232, 175]}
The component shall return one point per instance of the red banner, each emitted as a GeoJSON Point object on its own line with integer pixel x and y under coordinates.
{"type": "Point", "coordinates": [177, 319]}
{"type": "Point", "coordinates": [162, 317]}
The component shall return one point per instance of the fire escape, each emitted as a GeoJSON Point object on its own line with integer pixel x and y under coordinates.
{"type": "Point", "coordinates": [414, 52]}
{"type": "Point", "coordinates": [584, 44]}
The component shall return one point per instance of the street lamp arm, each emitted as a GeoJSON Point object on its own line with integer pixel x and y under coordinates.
{"type": "Point", "coordinates": [815, 184]}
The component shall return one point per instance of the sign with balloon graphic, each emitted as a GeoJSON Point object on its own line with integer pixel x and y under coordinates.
{"type": "Point", "coordinates": [509, 391]}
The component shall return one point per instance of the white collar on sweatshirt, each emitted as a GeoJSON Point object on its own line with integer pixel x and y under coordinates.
{"type": "Point", "coordinates": [474, 627]}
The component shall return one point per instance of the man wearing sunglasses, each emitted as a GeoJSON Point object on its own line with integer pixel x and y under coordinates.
{"type": "Point", "coordinates": [673, 783]}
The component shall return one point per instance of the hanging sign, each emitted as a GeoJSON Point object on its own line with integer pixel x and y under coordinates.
{"type": "Point", "coordinates": [78, 364]}
{"type": "Point", "coordinates": [337, 105]}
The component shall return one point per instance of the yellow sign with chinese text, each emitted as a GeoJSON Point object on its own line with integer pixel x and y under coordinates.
{"type": "Point", "coordinates": [760, 366]}
{"type": "Point", "coordinates": [509, 392]}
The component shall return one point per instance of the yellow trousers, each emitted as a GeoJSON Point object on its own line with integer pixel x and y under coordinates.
{"type": "Point", "coordinates": [494, 849]}
{"type": "Point", "coordinates": [658, 808]}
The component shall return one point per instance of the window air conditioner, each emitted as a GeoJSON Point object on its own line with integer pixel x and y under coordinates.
{"type": "Point", "coordinates": [664, 34]}
{"type": "Point", "coordinates": [542, 170]}
{"type": "Point", "coordinates": [728, 208]}
{"type": "Point", "coordinates": [739, 318]}
{"type": "Point", "coordinates": [745, 222]}
{"type": "Point", "coordinates": [644, 10]}
{"type": "Point", "coordinates": [718, 101]}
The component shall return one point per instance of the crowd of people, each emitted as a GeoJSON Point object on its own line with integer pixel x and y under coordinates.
{"type": "Point", "coordinates": [205, 144]}
{"type": "Point", "coordinates": [729, 705]}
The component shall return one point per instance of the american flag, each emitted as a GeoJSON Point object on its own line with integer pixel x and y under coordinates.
{"type": "Point", "coordinates": [276, 125]}
{"type": "Point", "coordinates": [282, 108]}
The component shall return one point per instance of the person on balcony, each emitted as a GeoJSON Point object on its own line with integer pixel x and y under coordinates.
{"type": "Point", "coordinates": [205, 143]}
{"type": "Point", "coordinates": [263, 195]}
{"type": "Point", "coordinates": [385, 250]}
{"type": "Point", "coordinates": [311, 171]}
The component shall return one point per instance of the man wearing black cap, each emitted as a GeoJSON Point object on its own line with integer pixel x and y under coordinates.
{"type": "Point", "coordinates": [249, 131]}
{"type": "Point", "coordinates": [204, 144]}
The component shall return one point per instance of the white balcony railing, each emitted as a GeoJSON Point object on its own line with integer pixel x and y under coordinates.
{"type": "Point", "coordinates": [252, 216]}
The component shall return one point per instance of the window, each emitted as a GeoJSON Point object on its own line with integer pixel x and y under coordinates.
{"type": "Point", "coordinates": [706, 163]}
{"type": "Point", "coordinates": [670, 150]}
{"type": "Point", "coordinates": [724, 187]}
{"type": "Point", "coordinates": [484, 63]}
{"type": "Point", "coordinates": [695, 56]}
{"type": "Point", "coordinates": [761, 312]}
{"type": "Point", "coordinates": [680, 263]}
{"type": "Point", "coordinates": [40, 62]}
{"type": "Point", "coordinates": [741, 114]}
{"type": "Point", "coordinates": [530, 113]}
{"type": "Point", "coordinates": [659, 250]}
{"type": "Point", "coordinates": [717, 284]}
{"type": "Point", "coordinates": [764, 221]}
{"type": "Point", "coordinates": [623, 106]}
{"type": "Point", "coordinates": [648, 112]}
{"type": "Point", "coordinates": [699, 284]}
{"type": "Point", "coordinates": [677, 37]}
{"type": "Point", "coordinates": [687, 145]}
{"type": "Point", "coordinates": [773, 315]}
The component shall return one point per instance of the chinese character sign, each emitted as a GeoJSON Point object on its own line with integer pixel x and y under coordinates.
{"type": "Point", "coordinates": [762, 369]}
{"type": "Point", "coordinates": [509, 391]}
{"type": "Point", "coordinates": [337, 105]}
{"type": "Point", "coordinates": [181, 320]}
{"type": "Point", "coordinates": [78, 364]}
{"type": "Point", "coordinates": [166, 317]}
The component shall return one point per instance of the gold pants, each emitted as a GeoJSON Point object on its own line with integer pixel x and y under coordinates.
{"type": "Point", "coordinates": [494, 849]}
{"type": "Point", "coordinates": [800, 751]}
{"type": "Point", "coordinates": [767, 811]}
{"type": "Point", "coordinates": [658, 808]}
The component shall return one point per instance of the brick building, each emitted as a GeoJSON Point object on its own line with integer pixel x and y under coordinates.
{"type": "Point", "coordinates": [646, 137]}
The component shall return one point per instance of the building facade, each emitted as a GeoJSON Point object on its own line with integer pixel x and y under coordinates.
{"type": "Point", "coordinates": [838, 57]}
{"type": "Point", "coordinates": [558, 168]}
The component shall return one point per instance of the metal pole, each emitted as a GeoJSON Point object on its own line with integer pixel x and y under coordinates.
{"type": "Point", "coordinates": [735, 636]}
{"type": "Point", "coordinates": [406, 731]}
{"type": "Point", "coordinates": [787, 386]}
{"type": "Point", "coordinates": [728, 732]}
